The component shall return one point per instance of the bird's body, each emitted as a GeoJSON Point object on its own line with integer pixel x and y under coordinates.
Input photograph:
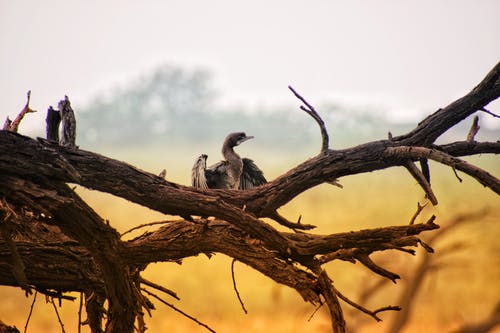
{"type": "Point", "coordinates": [233, 172]}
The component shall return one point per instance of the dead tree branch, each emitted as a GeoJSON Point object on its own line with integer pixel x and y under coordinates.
{"type": "Point", "coordinates": [179, 311]}
{"type": "Point", "coordinates": [68, 121]}
{"type": "Point", "coordinates": [482, 176]}
{"type": "Point", "coordinates": [236, 289]}
{"type": "Point", "coordinates": [422, 181]}
{"type": "Point", "coordinates": [13, 126]}
{"type": "Point", "coordinates": [96, 261]}
{"type": "Point", "coordinates": [310, 110]}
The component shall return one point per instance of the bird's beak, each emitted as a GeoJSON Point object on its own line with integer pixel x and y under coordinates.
{"type": "Point", "coordinates": [240, 141]}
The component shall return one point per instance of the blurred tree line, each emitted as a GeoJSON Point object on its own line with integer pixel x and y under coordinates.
{"type": "Point", "coordinates": [180, 106]}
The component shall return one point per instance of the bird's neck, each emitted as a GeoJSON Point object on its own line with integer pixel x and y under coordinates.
{"type": "Point", "coordinates": [234, 167]}
{"type": "Point", "coordinates": [230, 155]}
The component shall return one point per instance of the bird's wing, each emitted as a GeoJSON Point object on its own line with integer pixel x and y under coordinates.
{"type": "Point", "coordinates": [251, 176]}
{"type": "Point", "coordinates": [216, 175]}
{"type": "Point", "coordinates": [198, 177]}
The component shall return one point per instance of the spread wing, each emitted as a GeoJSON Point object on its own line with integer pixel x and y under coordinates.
{"type": "Point", "coordinates": [216, 175]}
{"type": "Point", "coordinates": [252, 176]}
{"type": "Point", "coordinates": [198, 177]}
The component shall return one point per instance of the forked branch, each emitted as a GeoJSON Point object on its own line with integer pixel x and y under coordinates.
{"type": "Point", "coordinates": [34, 176]}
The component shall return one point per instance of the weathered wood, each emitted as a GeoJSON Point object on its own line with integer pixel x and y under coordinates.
{"type": "Point", "coordinates": [443, 119]}
{"type": "Point", "coordinates": [92, 171]}
{"type": "Point", "coordinates": [81, 223]}
{"type": "Point", "coordinates": [93, 259]}
{"type": "Point", "coordinates": [180, 239]}
{"type": "Point", "coordinates": [14, 125]}
{"type": "Point", "coordinates": [52, 124]}
{"type": "Point", "coordinates": [68, 137]}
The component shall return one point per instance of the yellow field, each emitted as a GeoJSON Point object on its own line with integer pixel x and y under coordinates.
{"type": "Point", "coordinates": [463, 288]}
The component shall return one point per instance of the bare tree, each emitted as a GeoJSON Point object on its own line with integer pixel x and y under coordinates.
{"type": "Point", "coordinates": [44, 223]}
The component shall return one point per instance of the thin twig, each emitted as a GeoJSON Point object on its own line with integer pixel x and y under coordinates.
{"type": "Point", "coordinates": [473, 129]}
{"type": "Point", "coordinates": [335, 182]}
{"type": "Point", "coordinates": [456, 174]}
{"type": "Point", "coordinates": [489, 112]}
{"type": "Point", "coordinates": [144, 225]}
{"type": "Point", "coordinates": [159, 287]}
{"type": "Point", "coordinates": [55, 294]}
{"type": "Point", "coordinates": [80, 312]}
{"type": "Point", "coordinates": [361, 308]}
{"type": "Point", "coordinates": [57, 313]}
{"type": "Point", "coordinates": [286, 223]}
{"type": "Point", "coordinates": [314, 312]}
{"type": "Point", "coordinates": [365, 260]}
{"type": "Point", "coordinates": [417, 213]}
{"type": "Point", "coordinates": [31, 311]}
{"type": "Point", "coordinates": [422, 181]}
{"type": "Point", "coordinates": [178, 310]}
{"type": "Point", "coordinates": [236, 289]}
{"type": "Point", "coordinates": [308, 108]}
{"type": "Point", "coordinates": [426, 246]}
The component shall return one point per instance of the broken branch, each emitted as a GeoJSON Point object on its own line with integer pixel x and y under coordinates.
{"type": "Point", "coordinates": [13, 126]}
{"type": "Point", "coordinates": [309, 109]}
{"type": "Point", "coordinates": [422, 181]}
{"type": "Point", "coordinates": [473, 129]}
{"type": "Point", "coordinates": [484, 177]}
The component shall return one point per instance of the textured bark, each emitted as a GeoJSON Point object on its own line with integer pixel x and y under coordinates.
{"type": "Point", "coordinates": [52, 128]}
{"type": "Point", "coordinates": [50, 226]}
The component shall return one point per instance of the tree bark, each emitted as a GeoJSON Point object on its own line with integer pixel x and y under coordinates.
{"type": "Point", "coordinates": [86, 254]}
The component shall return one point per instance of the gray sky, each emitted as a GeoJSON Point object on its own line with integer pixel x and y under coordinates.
{"type": "Point", "coordinates": [407, 56]}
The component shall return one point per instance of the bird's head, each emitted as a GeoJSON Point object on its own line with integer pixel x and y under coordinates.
{"type": "Point", "coordinates": [235, 139]}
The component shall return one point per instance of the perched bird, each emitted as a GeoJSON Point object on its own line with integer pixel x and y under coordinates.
{"type": "Point", "coordinates": [233, 172]}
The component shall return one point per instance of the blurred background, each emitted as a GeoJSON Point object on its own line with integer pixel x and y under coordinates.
{"type": "Point", "coordinates": [157, 83]}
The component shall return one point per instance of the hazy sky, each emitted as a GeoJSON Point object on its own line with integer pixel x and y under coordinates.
{"type": "Point", "coordinates": [408, 56]}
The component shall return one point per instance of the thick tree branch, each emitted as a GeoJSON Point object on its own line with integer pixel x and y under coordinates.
{"type": "Point", "coordinates": [180, 239]}
{"type": "Point", "coordinates": [439, 122]}
{"type": "Point", "coordinates": [80, 222]}
{"type": "Point", "coordinates": [331, 300]}
{"type": "Point", "coordinates": [464, 148]}
{"type": "Point", "coordinates": [93, 259]}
